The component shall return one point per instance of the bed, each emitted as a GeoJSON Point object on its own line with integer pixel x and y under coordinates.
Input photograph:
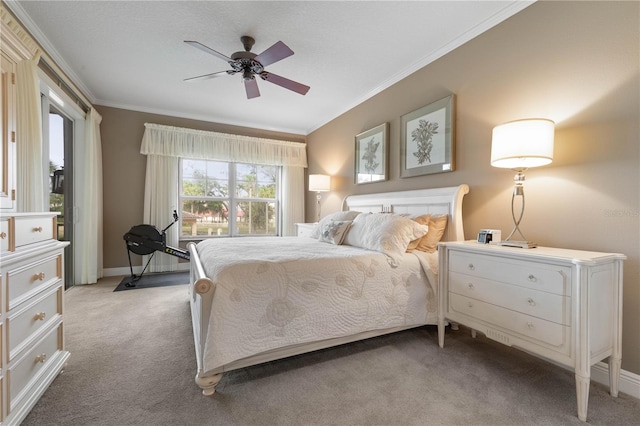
{"type": "Point", "coordinates": [259, 299]}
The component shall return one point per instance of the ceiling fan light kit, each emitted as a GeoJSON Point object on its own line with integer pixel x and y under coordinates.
{"type": "Point", "coordinates": [250, 65]}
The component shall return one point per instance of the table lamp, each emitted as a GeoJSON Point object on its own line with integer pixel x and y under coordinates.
{"type": "Point", "coordinates": [519, 145]}
{"type": "Point", "coordinates": [319, 184]}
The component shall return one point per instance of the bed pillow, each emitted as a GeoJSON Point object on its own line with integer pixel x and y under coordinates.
{"type": "Point", "coordinates": [333, 232]}
{"type": "Point", "coordinates": [350, 215]}
{"type": "Point", "coordinates": [437, 225]}
{"type": "Point", "coordinates": [383, 232]}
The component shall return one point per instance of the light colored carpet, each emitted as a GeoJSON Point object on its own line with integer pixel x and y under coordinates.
{"type": "Point", "coordinates": [132, 363]}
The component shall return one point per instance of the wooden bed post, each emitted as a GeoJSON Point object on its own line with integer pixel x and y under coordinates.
{"type": "Point", "coordinates": [208, 384]}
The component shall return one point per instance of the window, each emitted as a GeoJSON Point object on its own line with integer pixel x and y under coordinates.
{"type": "Point", "coordinates": [210, 190]}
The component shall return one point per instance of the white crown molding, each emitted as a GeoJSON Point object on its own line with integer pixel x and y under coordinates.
{"type": "Point", "coordinates": [207, 118]}
{"type": "Point", "coordinates": [508, 11]}
{"type": "Point", "coordinates": [48, 47]}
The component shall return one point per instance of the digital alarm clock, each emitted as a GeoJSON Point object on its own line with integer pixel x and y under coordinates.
{"type": "Point", "coordinates": [485, 236]}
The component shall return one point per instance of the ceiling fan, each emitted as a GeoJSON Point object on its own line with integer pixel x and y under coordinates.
{"type": "Point", "coordinates": [250, 65]}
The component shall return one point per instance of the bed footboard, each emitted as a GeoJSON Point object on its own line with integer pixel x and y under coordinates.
{"type": "Point", "coordinates": [202, 290]}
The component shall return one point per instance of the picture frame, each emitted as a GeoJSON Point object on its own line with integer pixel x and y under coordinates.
{"type": "Point", "coordinates": [371, 155]}
{"type": "Point", "coordinates": [427, 140]}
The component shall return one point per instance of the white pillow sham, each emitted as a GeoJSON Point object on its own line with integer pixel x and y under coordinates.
{"type": "Point", "coordinates": [383, 232]}
{"type": "Point", "coordinates": [350, 215]}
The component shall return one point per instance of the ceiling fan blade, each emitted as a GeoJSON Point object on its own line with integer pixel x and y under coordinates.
{"type": "Point", "coordinates": [251, 86]}
{"type": "Point", "coordinates": [285, 82]}
{"type": "Point", "coordinates": [207, 76]}
{"type": "Point", "coordinates": [209, 50]}
{"type": "Point", "coordinates": [274, 54]}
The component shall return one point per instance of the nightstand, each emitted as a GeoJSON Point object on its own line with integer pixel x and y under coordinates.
{"type": "Point", "coordinates": [557, 304]}
{"type": "Point", "coordinates": [304, 229]}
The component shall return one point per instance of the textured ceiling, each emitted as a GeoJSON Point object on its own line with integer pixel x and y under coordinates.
{"type": "Point", "coordinates": [132, 55]}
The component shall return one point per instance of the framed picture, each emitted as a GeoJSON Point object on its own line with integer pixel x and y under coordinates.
{"type": "Point", "coordinates": [372, 151]}
{"type": "Point", "coordinates": [426, 144]}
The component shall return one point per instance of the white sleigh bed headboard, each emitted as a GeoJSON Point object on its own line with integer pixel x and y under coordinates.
{"type": "Point", "coordinates": [436, 201]}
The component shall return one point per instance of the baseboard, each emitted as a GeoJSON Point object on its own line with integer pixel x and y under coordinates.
{"type": "Point", "coordinates": [629, 382]}
{"type": "Point", "coordinates": [114, 272]}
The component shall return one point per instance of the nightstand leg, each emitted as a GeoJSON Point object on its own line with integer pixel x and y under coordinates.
{"type": "Point", "coordinates": [582, 395]}
{"type": "Point", "coordinates": [614, 375]}
{"type": "Point", "coordinates": [441, 332]}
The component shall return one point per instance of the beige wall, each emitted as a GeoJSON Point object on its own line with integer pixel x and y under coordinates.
{"type": "Point", "coordinates": [124, 171]}
{"type": "Point", "coordinates": [573, 62]}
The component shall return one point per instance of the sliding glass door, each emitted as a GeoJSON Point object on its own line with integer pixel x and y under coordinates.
{"type": "Point", "coordinates": [59, 138]}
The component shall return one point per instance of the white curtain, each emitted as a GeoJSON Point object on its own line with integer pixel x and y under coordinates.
{"type": "Point", "coordinates": [88, 240]}
{"type": "Point", "coordinates": [160, 200]}
{"type": "Point", "coordinates": [188, 143]}
{"type": "Point", "coordinates": [30, 177]}
{"type": "Point", "coordinates": [164, 145]}
{"type": "Point", "coordinates": [292, 190]}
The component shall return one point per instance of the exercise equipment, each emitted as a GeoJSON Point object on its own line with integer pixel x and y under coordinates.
{"type": "Point", "coordinates": [147, 239]}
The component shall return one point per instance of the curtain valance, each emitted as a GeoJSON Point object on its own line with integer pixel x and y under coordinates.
{"type": "Point", "coordinates": [189, 143]}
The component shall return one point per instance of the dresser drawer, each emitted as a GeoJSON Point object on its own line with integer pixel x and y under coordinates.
{"type": "Point", "coordinates": [538, 276]}
{"type": "Point", "coordinates": [27, 367]}
{"type": "Point", "coordinates": [31, 229]}
{"type": "Point", "coordinates": [27, 321]}
{"type": "Point", "coordinates": [535, 329]}
{"type": "Point", "coordinates": [27, 278]}
{"type": "Point", "coordinates": [547, 306]}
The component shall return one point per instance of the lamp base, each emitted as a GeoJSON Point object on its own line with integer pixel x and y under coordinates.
{"type": "Point", "coordinates": [519, 244]}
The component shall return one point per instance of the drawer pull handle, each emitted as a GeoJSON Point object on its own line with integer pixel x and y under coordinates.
{"type": "Point", "coordinates": [470, 285]}
{"type": "Point", "coordinates": [471, 267]}
{"type": "Point", "coordinates": [470, 305]}
{"type": "Point", "coordinates": [3, 235]}
{"type": "Point", "coordinates": [41, 358]}
{"type": "Point", "coordinates": [531, 302]}
{"type": "Point", "coordinates": [40, 316]}
{"type": "Point", "coordinates": [39, 277]}
{"type": "Point", "coordinates": [530, 325]}
{"type": "Point", "coordinates": [38, 229]}
{"type": "Point", "coordinates": [532, 277]}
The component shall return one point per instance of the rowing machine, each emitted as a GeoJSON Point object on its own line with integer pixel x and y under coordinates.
{"type": "Point", "coordinates": [147, 239]}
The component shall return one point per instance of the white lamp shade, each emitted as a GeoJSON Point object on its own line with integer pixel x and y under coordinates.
{"type": "Point", "coordinates": [319, 183]}
{"type": "Point", "coordinates": [522, 144]}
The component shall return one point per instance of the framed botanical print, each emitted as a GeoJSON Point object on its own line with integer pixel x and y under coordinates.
{"type": "Point", "coordinates": [372, 151]}
{"type": "Point", "coordinates": [427, 140]}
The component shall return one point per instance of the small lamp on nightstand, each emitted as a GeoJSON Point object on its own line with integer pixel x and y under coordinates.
{"type": "Point", "coordinates": [318, 184]}
{"type": "Point", "coordinates": [519, 145]}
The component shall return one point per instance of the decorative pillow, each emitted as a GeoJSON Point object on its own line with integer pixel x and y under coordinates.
{"type": "Point", "coordinates": [437, 225]}
{"type": "Point", "coordinates": [350, 215]}
{"type": "Point", "coordinates": [422, 220]}
{"type": "Point", "coordinates": [386, 233]}
{"type": "Point", "coordinates": [334, 231]}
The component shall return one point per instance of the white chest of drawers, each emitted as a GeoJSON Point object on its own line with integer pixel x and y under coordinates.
{"type": "Point", "coordinates": [31, 311]}
{"type": "Point", "coordinates": [304, 229]}
{"type": "Point", "coordinates": [562, 305]}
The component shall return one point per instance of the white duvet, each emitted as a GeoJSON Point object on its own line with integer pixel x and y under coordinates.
{"type": "Point", "coordinates": [275, 292]}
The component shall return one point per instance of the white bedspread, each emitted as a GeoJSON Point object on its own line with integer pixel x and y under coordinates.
{"type": "Point", "coordinates": [275, 292]}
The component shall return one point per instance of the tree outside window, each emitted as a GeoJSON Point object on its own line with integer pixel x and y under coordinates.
{"type": "Point", "coordinates": [210, 190]}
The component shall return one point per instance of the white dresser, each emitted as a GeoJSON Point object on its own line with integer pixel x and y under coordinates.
{"type": "Point", "coordinates": [562, 305]}
{"type": "Point", "coordinates": [304, 229]}
{"type": "Point", "coordinates": [31, 299]}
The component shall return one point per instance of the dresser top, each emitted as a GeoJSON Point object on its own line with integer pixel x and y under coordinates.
{"type": "Point", "coordinates": [574, 256]}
